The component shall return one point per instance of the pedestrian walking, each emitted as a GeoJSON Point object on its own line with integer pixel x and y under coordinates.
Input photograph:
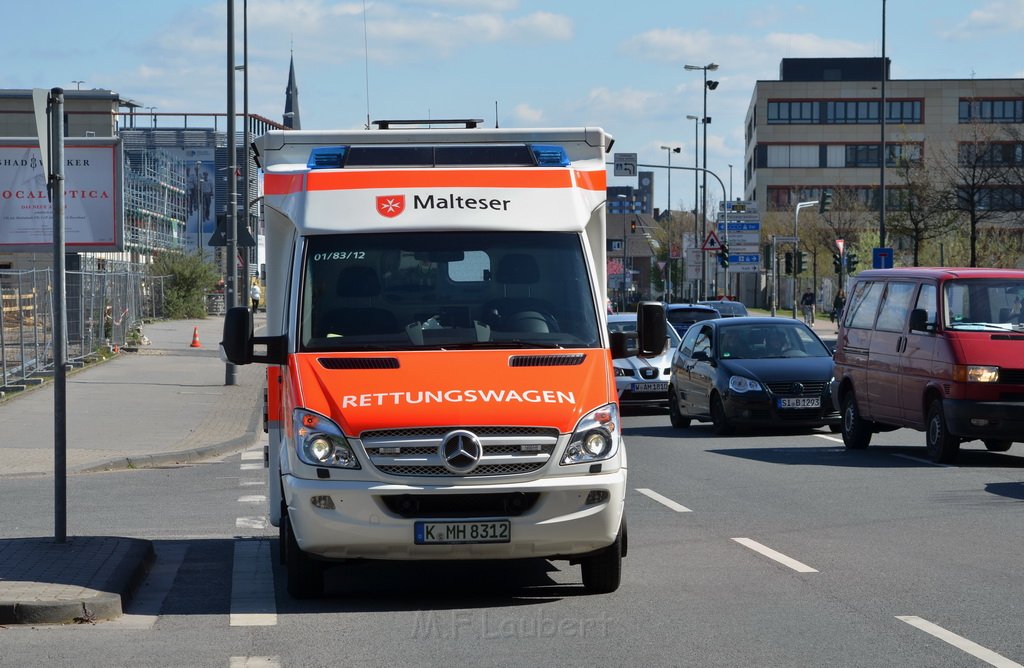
{"type": "Point", "coordinates": [837, 305]}
{"type": "Point", "coordinates": [807, 302]}
{"type": "Point", "coordinates": [254, 294]}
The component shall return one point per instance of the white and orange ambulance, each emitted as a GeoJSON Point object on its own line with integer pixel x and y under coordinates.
{"type": "Point", "coordinates": [440, 380]}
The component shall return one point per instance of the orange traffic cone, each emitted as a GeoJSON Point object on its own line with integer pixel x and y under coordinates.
{"type": "Point", "coordinates": [195, 339]}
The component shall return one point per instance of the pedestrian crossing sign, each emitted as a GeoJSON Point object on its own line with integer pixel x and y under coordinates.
{"type": "Point", "coordinates": [711, 242]}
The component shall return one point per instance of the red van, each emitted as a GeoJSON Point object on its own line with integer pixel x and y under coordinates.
{"type": "Point", "coordinates": [939, 350]}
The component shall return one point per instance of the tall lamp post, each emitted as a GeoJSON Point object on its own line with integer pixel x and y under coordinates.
{"type": "Point", "coordinates": [668, 212]}
{"type": "Point", "coordinates": [696, 188]}
{"type": "Point", "coordinates": [708, 85]}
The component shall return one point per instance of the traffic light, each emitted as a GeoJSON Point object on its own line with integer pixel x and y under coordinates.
{"type": "Point", "coordinates": [826, 201]}
{"type": "Point", "coordinates": [769, 257]}
{"type": "Point", "coordinates": [837, 262]}
{"type": "Point", "coordinates": [632, 227]}
{"type": "Point", "coordinates": [801, 262]}
{"type": "Point", "coordinates": [723, 255]}
{"type": "Point", "coordinates": [851, 262]}
{"type": "Point", "coordinates": [789, 262]}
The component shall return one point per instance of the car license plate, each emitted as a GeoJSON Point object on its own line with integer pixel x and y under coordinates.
{"type": "Point", "coordinates": [800, 402]}
{"type": "Point", "coordinates": [449, 533]}
{"type": "Point", "coordinates": [649, 387]}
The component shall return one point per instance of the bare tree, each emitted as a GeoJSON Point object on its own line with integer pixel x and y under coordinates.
{"type": "Point", "coordinates": [924, 210]}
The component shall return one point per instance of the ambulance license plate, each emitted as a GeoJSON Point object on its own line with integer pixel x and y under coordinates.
{"type": "Point", "coordinates": [453, 533]}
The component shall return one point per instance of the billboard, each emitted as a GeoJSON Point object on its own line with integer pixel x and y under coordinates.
{"type": "Point", "coordinates": [200, 173]}
{"type": "Point", "coordinates": [93, 191]}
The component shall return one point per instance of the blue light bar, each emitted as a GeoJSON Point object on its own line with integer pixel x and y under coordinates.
{"type": "Point", "coordinates": [327, 157]}
{"type": "Point", "coordinates": [549, 155]}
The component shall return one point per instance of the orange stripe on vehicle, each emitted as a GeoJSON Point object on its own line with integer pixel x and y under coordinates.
{"type": "Point", "coordinates": [274, 393]}
{"type": "Point", "coordinates": [592, 180]}
{"type": "Point", "coordinates": [439, 178]}
{"type": "Point", "coordinates": [282, 184]}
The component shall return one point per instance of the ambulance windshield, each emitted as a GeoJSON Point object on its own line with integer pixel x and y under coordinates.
{"type": "Point", "coordinates": [447, 290]}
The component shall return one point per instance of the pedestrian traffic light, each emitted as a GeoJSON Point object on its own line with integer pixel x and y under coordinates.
{"type": "Point", "coordinates": [801, 262]}
{"type": "Point", "coordinates": [851, 262]}
{"type": "Point", "coordinates": [825, 202]}
{"type": "Point", "coordinates": [769, 257]}
{"type": "Point", "coordinates": [789, 263]}
{"type": "Point", "coordinates": [632, 227]}
{"type": "Point", "coordinates": [837, 262]}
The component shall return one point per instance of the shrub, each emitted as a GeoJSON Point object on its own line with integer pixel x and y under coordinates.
{"type": "Point", "coordinates": [191, 280]}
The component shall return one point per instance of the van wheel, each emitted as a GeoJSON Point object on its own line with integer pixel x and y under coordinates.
{"type": "Point", "coordinates": [305, 575]}
{"type": "Point", "coordinates": [856, 430]}
{"type": "Point", "coordinates": [602, 572]}
{"type": "Point", "coordinates": [941, 445]}
{"type": "Point", "coordinates": [720, 423]}
{"type": "Point", "coordinates": [997, 444]}
{"type": "Point", "coordinates": [675, 415]}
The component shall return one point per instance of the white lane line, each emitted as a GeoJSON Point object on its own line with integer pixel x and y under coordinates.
{"type": "Point", "coordinates": [924, 461]}
{"type": "Point", "coordinates": [252, 498]}
{"type": "Point", "coordinates": [251, 483]}
{"type": "Point", "coordinates": [255, 662]}
{"type": "Point", "coordinates": [251, 467]}
{"type": "Point", "coordinates": [253, 455]}
{"type": "Point", "coordinates": [664, 500]}
{"type": "Point", "coordinates": [144, 608]}
{"type": "Point", "coordinates": [830, 438]}
{"type": "Point", "coordinates": [777, 556]}
{"type": "Point", "coordinates": [252, 585]}
{"type": "Point", "coordinates": [961, 643]}
{"type": "Point", "coordinates": [251, 523]}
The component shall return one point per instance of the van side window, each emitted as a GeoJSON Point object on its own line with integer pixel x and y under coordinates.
{"type": "Point", "coordinates": [926, 300]}
{"type": "Point", "coordinates": [895, 306]}
{"type": "Point", "coordinates": [863, 305]}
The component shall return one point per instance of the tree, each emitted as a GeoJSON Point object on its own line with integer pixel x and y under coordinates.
{"type": "Point", "coordinates": [923, 211]}
{"type": "Point", "coordinates": [191, 280]}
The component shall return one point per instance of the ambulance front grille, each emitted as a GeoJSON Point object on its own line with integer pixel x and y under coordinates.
{"type": "Point", "coordinates": [505, 451]}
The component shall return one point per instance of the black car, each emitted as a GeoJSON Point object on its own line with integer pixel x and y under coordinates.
{"type": "Point", "coordinates": [727, 307]}
{"type": "Point", "coordinates": [681, 316]}
{"type": "Point", "coordinates": [752, 372]}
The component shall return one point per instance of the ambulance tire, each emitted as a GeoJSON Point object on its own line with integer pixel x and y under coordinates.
{"type": "Point", "coordinates": [602, 572]}
{"type": "Point", "coordinates": [305, 575]}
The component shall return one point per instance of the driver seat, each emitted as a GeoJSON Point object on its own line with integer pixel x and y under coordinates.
{"type": "Point", "coordinates": [519, 310]}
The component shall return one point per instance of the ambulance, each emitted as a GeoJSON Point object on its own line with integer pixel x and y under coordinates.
{"type": "Point", "coordinates": [440, 382]}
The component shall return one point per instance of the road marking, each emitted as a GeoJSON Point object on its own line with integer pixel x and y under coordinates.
{"type": "Point", "coordinates": [251, 523]}
{"type": "Point", "coordinates": [924, 461]}
{"type": "Point", "coordinates": [664, 500]}
{"type": "Point", "coordinates": [247, 483]}
{"type": "Point", "coordinates": [828, 437]}
{"type": "Point", "coordinates": [961, 643]}
{"type": "Point", "coordinates": [252, 585]}
{"type": "Point", "coordinates": [777, 556]}
{"type": "Point", "coordinates": [252, 498]}
{"type": "Point", "coordinates": [255, 662]}
{"type": "Point", "coordinates": [253, 455]}
{"type": "Point", "coordinates": [144, 608]}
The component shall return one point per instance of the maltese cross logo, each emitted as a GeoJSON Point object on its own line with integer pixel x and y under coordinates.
{"type": "Point", "coordinates": [390, 206]}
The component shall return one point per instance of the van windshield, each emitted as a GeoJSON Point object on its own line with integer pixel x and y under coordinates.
{"type": "Point", "coordinates": [983, 304]}
{"type": "Point", "coordinates": [447, 290]}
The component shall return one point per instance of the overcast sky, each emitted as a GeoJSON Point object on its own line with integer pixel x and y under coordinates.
{"type": "Point", "coordinates": [617, 65]}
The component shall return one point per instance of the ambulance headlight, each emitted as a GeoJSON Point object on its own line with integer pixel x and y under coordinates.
{"type": "Point", "coordinates": [596, 437]}
{"type": "Point", "coordinates": [319, 442]}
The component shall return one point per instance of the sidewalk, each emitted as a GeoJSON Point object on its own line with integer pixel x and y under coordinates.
{"type": "Point", "coordinates": [165, 404]}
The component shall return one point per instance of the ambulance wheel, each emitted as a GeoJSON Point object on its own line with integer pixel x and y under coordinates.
{"type": "Point", "coordinates": [602, 572]}
{"type": "Point", "coordinates": [305, 575]}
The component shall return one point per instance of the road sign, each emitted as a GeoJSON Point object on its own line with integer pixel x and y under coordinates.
{"type": "Point", "coordinates": [881, 258]}
{"type": "Point", "coordinates": [711, 242]}
{"type": "Point", "coordinates": [220, 237]}
{"type": "Point", "coordinates": [625, 164]}
{"type": "Point", "coordinates": [840, 244]}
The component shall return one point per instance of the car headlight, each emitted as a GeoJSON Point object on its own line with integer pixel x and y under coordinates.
{"type": "Point", "coordinates": [741, 384]}
{"type": "Point", "coordinates": [319, 442]}
{"type": "Point", "coordinates": [596, 437]}
{"type": "Point", "coordinates": [973, 373]}
{"type": "Point", "coordinates": [620, 371]}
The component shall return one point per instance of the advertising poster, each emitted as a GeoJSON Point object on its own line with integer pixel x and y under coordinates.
{"type": "Point", "coordinates": [200, 169]}
{"type": "Point", "coordinates": [92, 196]}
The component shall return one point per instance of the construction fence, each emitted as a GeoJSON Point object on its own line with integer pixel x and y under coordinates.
{"type": "Point", "coordinates": [105, 311]}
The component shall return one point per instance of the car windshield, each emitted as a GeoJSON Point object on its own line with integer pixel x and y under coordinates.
{"type": "Point", "coordinates": [983, 304]}
{"type": "Point", "coordinates": [768, 342]}
{"type": "Point", "coordinates": [446, 290]}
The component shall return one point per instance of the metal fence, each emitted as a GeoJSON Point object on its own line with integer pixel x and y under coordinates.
{"type": "Point", "coordinates": [105, 311]}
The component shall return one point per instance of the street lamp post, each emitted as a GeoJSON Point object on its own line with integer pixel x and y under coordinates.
{"type": "Point", "coordinates": [708, 85]}
{"type": "Point", "coordinates": [696, 190]}
{"type": "Point", "coordinates": [152, 115]}
{"type": "Point", "coordinates": [199, 212]}
{"type": "Point", "coordinates": [78, 84]}
{"type": "Point", "coordinates": [668, 212]}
